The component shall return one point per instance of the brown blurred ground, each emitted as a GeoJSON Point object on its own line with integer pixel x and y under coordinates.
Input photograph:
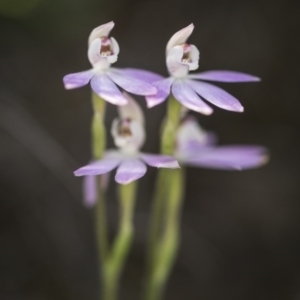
{"type": "Point", "coordinates": [241, 231]}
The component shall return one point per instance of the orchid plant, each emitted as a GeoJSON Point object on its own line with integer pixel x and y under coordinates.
{"type": "Point", "coordinates": [183, 143]}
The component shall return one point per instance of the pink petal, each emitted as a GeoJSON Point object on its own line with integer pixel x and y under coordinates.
{"type": "Point", "coordinates": [76, 80]}
{"type": "Point", "coordinates": [180, 37]}
{"type": "Point", "coordinates": [224, 76]}
{"type": "Point", "coordinates": [131, 84]}
{"type": "Point", "coordinates": [230, 157]}
{"type": "Point", "coordinates": [99, 167]}
{"type": "Point", "coordinates": [187, 97]}
{"type": "Point", "coordinates": [216, 95]}
{"type": "Point", "coordinates": [101, 31]}
{"type": "Point", "coordinates": [90, 190]}
{"type": "Point", "coordinates": [160, 161]}
{"type": "Point", "coordinates": [130, 170]}
{"type": "Point", "coordinates": [163, 91]}
{"type": "Point", "coordinates": [140, 74]}
{"type": "Point", "coordinates": [103, 86]}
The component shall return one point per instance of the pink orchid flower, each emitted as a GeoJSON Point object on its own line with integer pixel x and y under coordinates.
{"type": "Point", "coordinates": [197, 148]}
{"type": "Point", "coordinates": [102, 52]}
{"type": "Point", "coordinates": [129, 136]}
{"type": "Point", "coordinates": [182, 58]}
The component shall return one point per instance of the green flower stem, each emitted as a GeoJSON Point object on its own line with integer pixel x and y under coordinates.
{"type": "Point", "coordinates": [98, 147]}
{"type": "Point", "coordinates": [164, 237]}
{"type": "Point", "coordinates": [123, 241]}
{"type": "Point", "coordinates": [168, 245]}
{"type": "Point", "coordinates": [98, 127]}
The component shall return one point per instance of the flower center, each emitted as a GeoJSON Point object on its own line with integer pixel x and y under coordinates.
{"type": "Point", "coordinates": [105, 49]}
{"type": "Point", "coordinates": [186, 58]}
{"type": "Point", "coordinates": [124, 128]}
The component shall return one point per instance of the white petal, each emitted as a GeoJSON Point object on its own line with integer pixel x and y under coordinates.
{"type": "Point", "coordinates": [175, 66]}
{"type": "Point", "coordinates": [180, 37]}
{"type": "Point", "coordinates": [101, 31]}
{"type": "Point", "coordinates": [115, 46]}
{"type": "Point", "coordinates": [195, 56]}
{"type": "Point", "coordinates": [94, 52]}
{"type": "Point", "coordinates": [129, 144]}
{"type": "Point", "coordinates": [131, 110]}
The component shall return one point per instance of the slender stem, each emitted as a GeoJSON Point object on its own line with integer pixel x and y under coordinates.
{"type": "Point", "coordinates": [123, 241]}
{"type": "Point", "coordinates": [157, 213]}
{"type": "Point", "coordinates": [98, 147]}
{"type": "Point", "coordinates": [163, 241]}
{"type": "Point", "coordinates": [168, 246]}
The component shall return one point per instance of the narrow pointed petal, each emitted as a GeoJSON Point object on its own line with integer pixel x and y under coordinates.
{"type": "Point", "coordinates": [160, 161]}
{"type": "Point", "coordinates": [224, 76]}
{"type": "Point", "coordinates": [76, 80]}
{"type": "Point", "coordinates": [101, 31]}
{"type": "Point", "coordinates": [216, 96]}
{"type": "Point", "coordinates": [131, 110]}
{"type": "Point", "coordinates": [163, 91]}
{"type": "Point", "coordinates": [130, 170]}
{"type": "Point", "coordinates": [230, 157]}
{"type": "Point", "coordinates": [131, 84]}
{"type": "Point", "coordinates": [140, 74]}
{"type": "Point", "coordinates": [103, 86]}
{"type": "Point", "coordinates": [180, 37]}
{"type": "Point", "coordinates": [187, 97]}
{"type": "Point", "coordinates": [89, 190]}
{"type": "Point", "coordinates": [99, 167]}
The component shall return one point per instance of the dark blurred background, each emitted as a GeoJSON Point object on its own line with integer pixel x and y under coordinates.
{"type": "Point", "coordinates": [240, 230]}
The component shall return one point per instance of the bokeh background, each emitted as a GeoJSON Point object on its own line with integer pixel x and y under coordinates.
{"type": "Point", "coordinates": [240, 230]}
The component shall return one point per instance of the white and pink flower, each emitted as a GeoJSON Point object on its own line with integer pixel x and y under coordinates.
{"type": "Point", "coordinates": [129, 136]}
{"type": "Point", "coordinates": [102, 52]}
{"type": "Point", "coordinates": [195, 147]}
{"type": "Point", "coordinates": [181, 58]}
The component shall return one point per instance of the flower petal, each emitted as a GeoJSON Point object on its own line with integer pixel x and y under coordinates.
{"type": "Point", "coordinates": [140, 74]}
{"type": "Point", "coordinates": [89, 190]}
{"type": "Point", "coordinates": [94, 52]}
{"type": "Point", "coordinates": [101, 31]}
{"type": "Point", "coordinates": [99, 167]}
{"type": "Point", "coordinates": [160, 161]}
{"type": "Point", "coordinates": [103, 86]}
{"type": "Point", "coordinates": [180, 37]}
{"type": "Point", "coordinates": [131, 110]}
{"type": "Point", "coordinates": [230, 157]}
{"type": "Point", "coordinates": [115, 49]}
{"type": "Point", "coordinates": [174, 64]}
{"type": "Point", "coordinates": [76, 80]}
{"type": "Point", "coordinates": [224, 76]}
{"type": "Point", "coordinates": [163, 91]}
{"type": "Point", "coordinates": [195, 56]}
{"type": "Point", "coordinates": [187, 97]}
{"type": "Point", "coordinates": [130, 170]}
{"type": "Point", "coordinates": [191, 138]}
{"type": "Point", "coordinates": [216, 95]}
{"type": "Point", "coordinates": [131, 84]}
